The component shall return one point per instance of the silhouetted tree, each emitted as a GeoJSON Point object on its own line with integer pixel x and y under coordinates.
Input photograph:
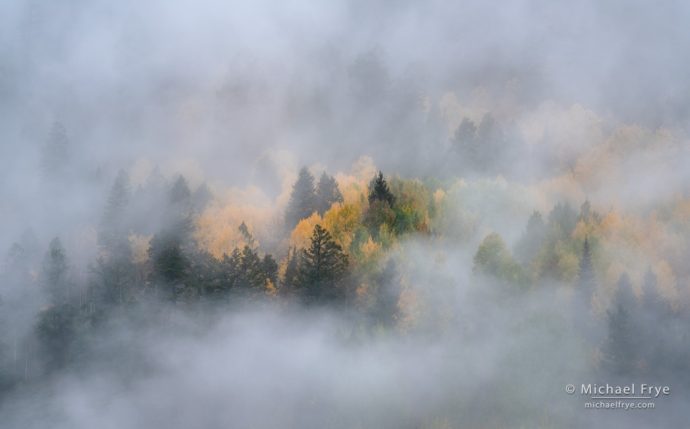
{"type": "Point", "coordinates": [532, 240]}
{"type": "Point", "coordinates": [112, 228]}
{"type": "Point", "coordinates": [620, 351]}
{"type": "Point", "coordinates": [54, 275]}
{"type": "Point", "coordinates": [379, 191]}
{"type": "Point", "coordinates": [302, 200]}
{"type": "Point", "coordinates": [327, 193]}
{"type": "Point", "coordinates": [587, 282]}
{"type": "Point", "coordinates": [322, 268]}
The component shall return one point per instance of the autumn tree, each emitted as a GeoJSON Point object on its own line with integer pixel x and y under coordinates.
{"type": "Point", "coordinates": [494, 259]}
{"type": "Point", "coordinates": [302, 201]}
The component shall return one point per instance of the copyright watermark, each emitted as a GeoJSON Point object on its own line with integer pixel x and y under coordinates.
{"type": "Point", "coordinates": [607, 396]}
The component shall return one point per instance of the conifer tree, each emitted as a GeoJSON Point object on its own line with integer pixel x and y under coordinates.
{"type": "Point", "coordinates": [620, 351]}
{"type": "Point", "coordinates": [323, 267]}
{"type": "Point", "coordinates": [302, 200]}
{"type": "Point", "coordinates": [587, 282]}
{"type": "Point", "coordinates": [55, 271]}
{"type": "Point", "coordinates": [112, 227]}
{"type": "Point", "coordinates": [379, 191]}
{"type": "Point", "coordinates": [327, 193]}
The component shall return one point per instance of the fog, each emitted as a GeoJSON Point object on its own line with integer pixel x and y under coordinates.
{"type": "Point", "coordinates": [142, 136]}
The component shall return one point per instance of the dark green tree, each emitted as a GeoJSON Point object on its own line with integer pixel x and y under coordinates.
{"type": "Point", "coordinates": [170, 264]}
{"type": "Point", "coordinates": [291, 279]}
{"type": "Point", "coordinates": [302, 200]}
{"type": "Point", "coordinates": [323, 268]}
{"type": "Point", "coordinates": [327, 193]}
{"type": "Point", "coordinates": [379, 191]}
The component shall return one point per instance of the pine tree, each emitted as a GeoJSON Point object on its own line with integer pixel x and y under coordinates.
{"type": "Point", "coordinates": [327, 193]}
{"type": "Point", "coordinates": [180, 215]}
{"type": "Point", "coordinates": [620, 350]}
{"type": "Point", "coordinates": [532, 240]}
{"type": "Point", "coordinates": [112, 227]}
{"type": "Point", "coordinates": [323, 267]}
{"type": "Point", "coordinates": [379, 191]}
{"type": "Point", "coordinates": [587, 282]}
{"type": "Point", "coordinates": [291, 277]}
{"type": "Point", "coordinates": [302, 200]}
{"type": "Point", "coordinates": [170, 264]}
{"type": "Point", "coordinates": [55, 271]}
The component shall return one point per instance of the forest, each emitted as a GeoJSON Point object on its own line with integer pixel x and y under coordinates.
{"type": "Point", "coordinates": [344, 215]}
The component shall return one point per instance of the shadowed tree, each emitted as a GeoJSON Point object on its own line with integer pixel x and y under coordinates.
{"type": "Point", "coordinates": [379, 191]}
{"type": "Point", "coordinates": [327, 193]}
{"type": "Point", "coordinates": [586, 282]}
{"type": "Point", "coordinates": [620, 350]}
{"type": "Point", "coordinates": [54, 273]}
{"type": "Point", "coordinates": [527, 249]}
{"type": "Point", "coordinates": [323, 267]}
{"type": "Point", "coordinates": [302, 200]}
{"type": "Point", "coordinates": [112, 227]}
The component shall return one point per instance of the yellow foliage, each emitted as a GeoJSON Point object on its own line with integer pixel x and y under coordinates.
{"type": "Point", "coordinates": [217, 229]}
{"type": "Point", "coordinates": [341, 221]}
{"type": "Point", "coordinates": [140, 247]}
{"type": "Point", "coordinates": [302, 233]}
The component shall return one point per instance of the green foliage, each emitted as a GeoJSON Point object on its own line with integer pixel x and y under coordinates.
{"type": "Point", "coordinates": [323, 267]}
{"type": "Point", "coordinates": [494, 259]}
{"type": "Point", "coordinates": [379, 191]}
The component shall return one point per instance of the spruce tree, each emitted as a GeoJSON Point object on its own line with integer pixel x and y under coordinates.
{"type": "Point", "coordinates": [532, 240]}
{"type": "Point", "coordinates": [379, 191]}
{"type": "Point", "coordinates": [587, 282]}
{"type": "Point", "coordinates": [291, 278]}
{"type": "Point", "coordinates": [323, 267]}
{"type": "Point", "coordinates": [55, 272]}
{"type": "Point", "coordinates": [302, 200]}
{"type": "Point", "coordinates": [327, 193]}
{"type": "Point", "coordinates": [112, 227]}
{"type": "Point", "coordinates": [620, 349]}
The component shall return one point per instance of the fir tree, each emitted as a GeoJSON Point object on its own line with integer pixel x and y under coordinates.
{"type": "Point", "coordinates": [620, 350]}
{"type": "Point", "coordinates": [302, 200]}
{"type": "Point", "coordinates": [112, 227]}
{"type": "Point", "coordinates": [55, 271]}
{"type": "Point", "coordinates": [327, 193]}
{"type": "Point", "coordinates": [323, 267]}
{"type": "Point", "coordinates": [379, 191]}
{"type": "Point", "coordinates": [532, 240]}
{"type": "Point", "coordinates": [587, 282]}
